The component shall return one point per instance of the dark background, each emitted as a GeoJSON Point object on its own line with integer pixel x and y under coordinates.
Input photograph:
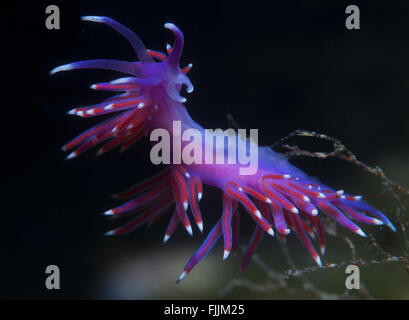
{"type": "Point", "coordinates": [274, 65]}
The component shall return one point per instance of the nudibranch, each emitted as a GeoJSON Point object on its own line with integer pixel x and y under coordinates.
{"type": "Point", "coordinates": [278, 196]}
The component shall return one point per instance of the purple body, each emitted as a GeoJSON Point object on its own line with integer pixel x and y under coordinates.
{"type": "Point", "coordinates": [279, 197]}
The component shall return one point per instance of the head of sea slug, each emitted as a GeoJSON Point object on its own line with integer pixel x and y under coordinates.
{"type": "Point", "coordinates": [167, 74]}
{"type": "Point", "coordinates": [152, 78]}
{"type": "Point", "coordinates": [163, 76]}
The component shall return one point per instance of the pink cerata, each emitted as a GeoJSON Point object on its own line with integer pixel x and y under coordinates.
{"type": "Point", "coordinates": [278, 196]}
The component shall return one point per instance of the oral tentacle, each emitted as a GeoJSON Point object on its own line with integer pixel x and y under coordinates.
{"type": "Point", "coordinates": [176, 52]}
{"type": "Point", "coordinates": [132, 38]}
{"type": "Point", "coordinates": [105, 64]}
{"type": "Point", "coordinates": [183, 79]}
{"type": "Point", "coordinates": [173, 93]}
